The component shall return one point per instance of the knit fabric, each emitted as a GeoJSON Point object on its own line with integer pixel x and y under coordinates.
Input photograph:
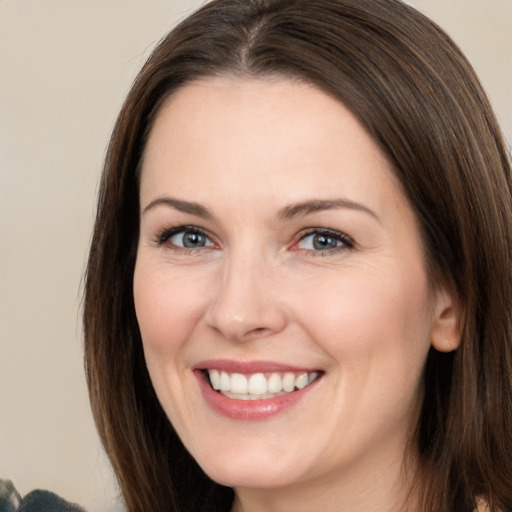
{"type": "Point", "coordinates": [35, 501]}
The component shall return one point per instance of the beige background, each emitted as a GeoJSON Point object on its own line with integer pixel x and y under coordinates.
{"type": "Point", "coordinates": [65, 67]}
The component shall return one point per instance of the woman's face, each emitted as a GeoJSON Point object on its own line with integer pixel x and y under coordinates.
{"type": "Point", "coordinates": [279, 258]}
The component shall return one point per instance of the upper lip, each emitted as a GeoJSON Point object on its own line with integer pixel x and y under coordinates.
{"type": "Point", "coordinates": [249, 367]}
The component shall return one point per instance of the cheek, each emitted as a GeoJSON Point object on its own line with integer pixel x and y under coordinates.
{"type": "Point", "coordinates": [168, 306]}
{"type": "Point", "coordinates": [376, 332]}
{"type": "Point", "coordinates": [372, 323]}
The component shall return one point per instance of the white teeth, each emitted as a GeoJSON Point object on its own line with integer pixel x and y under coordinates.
{"type": "Point", "coordinates": [215, 379]}
{"type": "Point", "coordinates": [239, 384]}
{"type": "Point", "coordinates": [275, 383]}
{"type": "Point", "coordinates": [288, 382]}
{"type": "Point", "coordinates": [225, 382]}
{"type": "Point", "coordinates": [257, 386]}
{"type": "Point", "coordinates": [301, 381]}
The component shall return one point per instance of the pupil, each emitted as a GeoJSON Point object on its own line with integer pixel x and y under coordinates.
{"type": "Point", "coordinates": [193, 240]}
{"type": "Point", "coordinates": [322, 242]}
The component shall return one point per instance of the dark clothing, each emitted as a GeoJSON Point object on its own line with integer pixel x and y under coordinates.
{"type": "Point", "coordinates": [35, 501]}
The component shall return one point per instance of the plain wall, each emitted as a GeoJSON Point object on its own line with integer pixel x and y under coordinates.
{"type": "Point", "coordinates": [65, 67]}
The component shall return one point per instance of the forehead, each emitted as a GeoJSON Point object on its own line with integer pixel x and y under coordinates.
{"type": "Point", "coordinates": [260, 137]}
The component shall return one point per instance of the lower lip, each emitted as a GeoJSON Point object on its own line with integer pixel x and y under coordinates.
{"type": "Point", "coordinates": [250, 410]}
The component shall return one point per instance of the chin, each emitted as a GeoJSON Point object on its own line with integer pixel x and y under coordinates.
{"type": "Point", "coordinates": [249, 478]}
{"type": "Point", "coordinates": [251, 473]}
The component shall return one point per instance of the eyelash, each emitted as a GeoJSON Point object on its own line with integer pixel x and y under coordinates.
{"type": "Point", "coordinates": [346, 243]}
{"type": "Point", "coordinates": [163, 236]}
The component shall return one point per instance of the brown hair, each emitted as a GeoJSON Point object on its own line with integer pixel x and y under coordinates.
{"type": "Point", "coordinates": [419, 98]}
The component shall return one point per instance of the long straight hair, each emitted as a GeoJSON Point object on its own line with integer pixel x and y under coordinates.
{"type": "Point", "coordinates": [418, 97]}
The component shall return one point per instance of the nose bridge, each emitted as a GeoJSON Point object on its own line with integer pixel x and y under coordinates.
{"type": "Point", "coordinates": [244, 305]}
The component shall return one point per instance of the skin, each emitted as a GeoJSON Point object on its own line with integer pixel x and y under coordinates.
{"type": "Point", "coordinates": [364, 314]}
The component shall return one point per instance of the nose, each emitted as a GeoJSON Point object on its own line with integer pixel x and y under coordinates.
{"type": "Point", "coordinates": [247, 304]}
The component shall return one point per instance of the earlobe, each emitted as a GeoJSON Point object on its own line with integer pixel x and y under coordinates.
{"type": "Point", "coordinates": [446, 321]}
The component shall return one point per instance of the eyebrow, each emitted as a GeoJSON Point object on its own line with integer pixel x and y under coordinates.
{"type": "Point", "coordinates": [182, 206]}
{"type": "Point", "coordinates": [318, 205]}
{"type": "Point", "coordinates": [289, 212]}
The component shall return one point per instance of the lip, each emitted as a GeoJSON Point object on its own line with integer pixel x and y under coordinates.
{"type": "Point", "coordinates": [249, 410]}
{"type": "Point", "coordinates": [249, 367]}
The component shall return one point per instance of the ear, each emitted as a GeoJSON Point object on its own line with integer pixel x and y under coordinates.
{"type": "Point", "coordinates": [446, 320]}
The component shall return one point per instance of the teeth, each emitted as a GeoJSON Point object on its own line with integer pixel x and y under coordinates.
{"type": "Point", "coordinates": [215, 379]}
{"type": "Point", "coordinates": [258, 386]}
{"type": "Point", "coordinates": [225, 382]}
{"type": "Point", "coordinates": [302, 381]}
{"type": "Point", "coordinates": [288, 382]}
{"type": "Point", "coordinates": [239, 384]}
{"type": "Point", "coordinates": [275, 383]}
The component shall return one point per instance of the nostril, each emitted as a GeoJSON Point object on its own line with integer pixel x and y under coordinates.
{"type": "Point", "coordinates": [258, 331]}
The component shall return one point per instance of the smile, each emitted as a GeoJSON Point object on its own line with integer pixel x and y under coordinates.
{"type": "Point", "coordinates": [254, 390]}
{"type": "Point", "coordinates": [259, 386]}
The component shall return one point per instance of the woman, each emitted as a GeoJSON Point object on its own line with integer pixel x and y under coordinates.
{"type": "Point", "coordinates": [299, 286]}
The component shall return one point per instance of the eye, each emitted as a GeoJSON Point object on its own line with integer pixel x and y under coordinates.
{"type": "Point", "coordinates": [190, 239]}
{"type": "Point", "coordinates": [324, 240]}
{"type": "Point", "coordinates": [186, 237]}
